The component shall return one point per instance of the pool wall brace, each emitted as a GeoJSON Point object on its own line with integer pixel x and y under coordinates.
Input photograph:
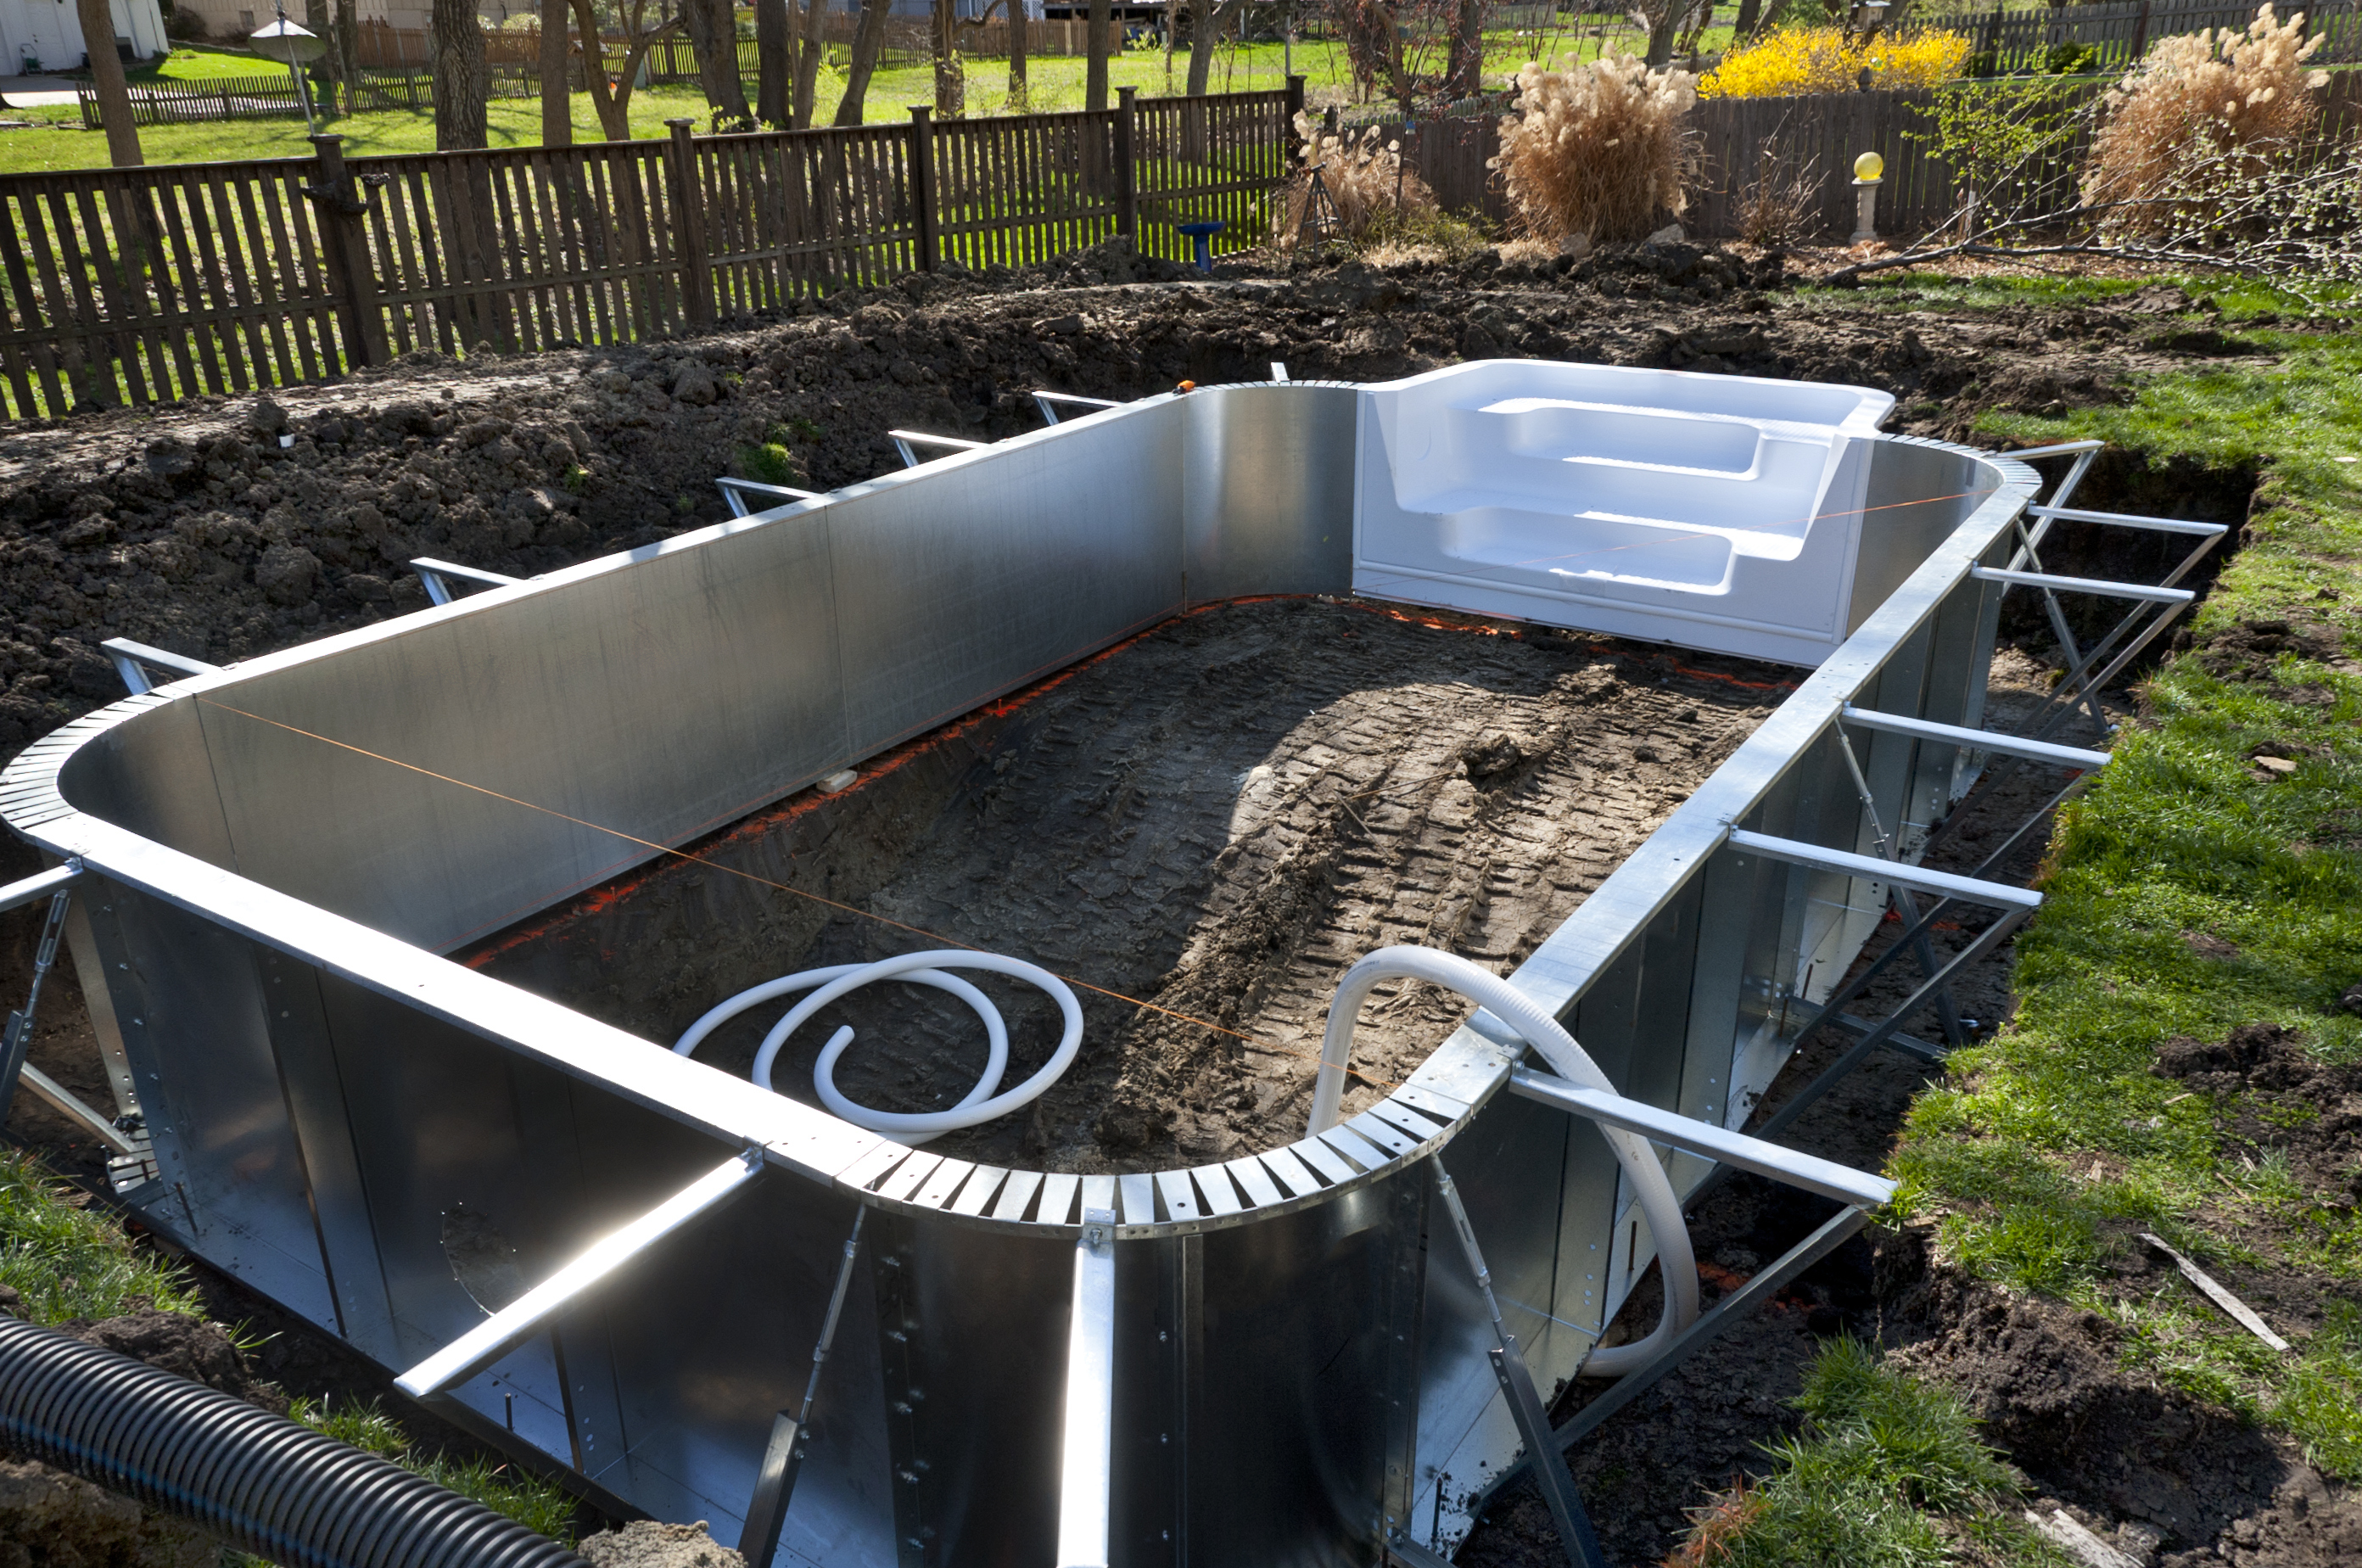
{"type": "Point", "coordinates": [751, 1312]}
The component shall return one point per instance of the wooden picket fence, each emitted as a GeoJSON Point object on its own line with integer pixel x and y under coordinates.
{"type": "Point", "coordinates": [144, 285]}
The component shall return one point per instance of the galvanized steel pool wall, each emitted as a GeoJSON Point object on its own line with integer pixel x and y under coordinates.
{"type": "Point", "coordinates": [1298, 1371]}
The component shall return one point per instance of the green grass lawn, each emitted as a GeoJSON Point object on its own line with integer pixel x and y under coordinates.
{"type": "Point", "coordinates": [1053, 83]}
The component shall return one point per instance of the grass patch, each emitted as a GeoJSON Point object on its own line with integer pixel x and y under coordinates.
{"type": "Point", "coordinates": [67, 1261]}
{"type": "Point", "coordinates": [537, 1503]}
{"type": "Point", "coordinates": [1888, 1472]}
{"type": "Point", "coordinates": [2049, 1148]}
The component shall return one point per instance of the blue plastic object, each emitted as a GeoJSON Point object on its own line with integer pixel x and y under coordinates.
{"type": "Point", "coordinates": [1201, 235]}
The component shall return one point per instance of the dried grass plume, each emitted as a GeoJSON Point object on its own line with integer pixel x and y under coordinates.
{"type": "Point", "coordinates": [1600, 150]}
{"type": "Point", "coordinates": [1363, 174]}
{"type": "Point", "coordinates": [2193, 110]}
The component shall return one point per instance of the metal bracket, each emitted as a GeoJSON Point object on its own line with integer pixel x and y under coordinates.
{"type": "Point", "coordinates": [339, 197]}
{"type": "Point", "coordinates": [134, 660]}
{"type": "Point", "coordinates": [437, 576]}
{"type": "Point", "coordinates": [1048, 403]}
{"type": "Point", "coordinates": [1976, 740]}
{"type": "Point", "coordinates": [775, 1482]}
{"type": "Point", "coordinates": [1085, 1473]}
{"type": "Point", "coordinates": [493, 1338]}
{"type": "Point", "coordinates": [737, 491]}
{"type": "Point", "coordinates": [904, 439]}
{"type": "Point", "coordinates": [1998, 895]}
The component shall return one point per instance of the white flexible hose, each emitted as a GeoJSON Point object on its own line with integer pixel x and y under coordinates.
{"type": "Point", "coordinates": [979, 1104]}
{"type": "Point", "coordinates": [1651, 1189]}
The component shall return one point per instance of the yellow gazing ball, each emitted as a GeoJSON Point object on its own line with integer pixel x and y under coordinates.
{"type": "Point", "coordinates": [1869, 166]}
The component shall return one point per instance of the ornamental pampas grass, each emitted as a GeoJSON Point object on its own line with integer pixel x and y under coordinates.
{"type": "Point", "coordinates": [1599, 151]}
{"type": "Point", "coordinates": [2197, 109]}
{"type": "Point", "coordinates": [1363, 175]}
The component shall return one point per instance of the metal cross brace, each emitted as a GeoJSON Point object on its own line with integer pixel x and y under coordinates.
{"type": "Point", "coordinates": [775, 1482]}
{"type": "Point", "coordinates": [1526, 1407]}
{"type": "Point", "coordinates": [18, 1038]}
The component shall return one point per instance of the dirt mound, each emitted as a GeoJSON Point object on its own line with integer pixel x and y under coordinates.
{"type": "Point", "coordinates": [2046, 1381]}
{"type": "Point", "coordinates": [2247, 651]}
{"type": "Point", "coordinates": [185, 1346]}
{"type": "Point", "coordinates": [52, 1519]}
{"type": "Point", "coordinates": [646, 1544]}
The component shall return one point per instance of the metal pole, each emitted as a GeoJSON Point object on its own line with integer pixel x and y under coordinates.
{"type": "Point", "coordinates": [1086, 1468]}
{"type": "Point", "coordinates": [775, 1483]}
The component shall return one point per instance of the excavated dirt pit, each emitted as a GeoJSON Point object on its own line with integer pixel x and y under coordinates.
{"type": "Point", "coordinates": [1216, 818]}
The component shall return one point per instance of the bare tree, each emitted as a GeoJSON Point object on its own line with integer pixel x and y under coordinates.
{"type": "Point", "coordinates": [867, 40]}
{"type": "Point", "coordinates": [613, 102]}
{"type": "Point", "coordinates": [348, 52]}
{"type": "Point", "coordinates": [951, 84]}
{"type": "Point", "coordinates": [812, 45]}
{"type": "Point", "coordinates": [1018, 94]}
{"type": "Point", "coordinates": [714, 39]}
{"type": "Point", "coordinates": [557, 90]}
{"type": "Point", "coordinates": [1207, 21]}
{"type": "Point", "coordinates": [1094, 51]}
{"type": "Point", "coordinates": [107, 76]}
{"type": "Point", "coordinates": [323, 71]}
{"type": "Point", "coordinates": [461, 83]}
{"type": "Point", "coordinates": [775, 62]}
{"type": "Point", "coordinates": [1463, 73]}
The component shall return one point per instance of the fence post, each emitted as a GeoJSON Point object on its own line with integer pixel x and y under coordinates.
{"type": "Point", "coordinates": [1295, 102]}
{"type": "Point", "coordinates": [2140, 33]}
{"type": "Point", "coordinates": [688, 223]}
{"type": "Point", "coordinates": [352, 276]}
{"type": "Point", "coordinates": [922, 184]}
{"type": "Point", "coordinates": [1127, 174]}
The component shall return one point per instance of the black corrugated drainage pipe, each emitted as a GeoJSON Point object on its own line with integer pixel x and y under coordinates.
{"type": "Point", "coordinates": [270, 1485]}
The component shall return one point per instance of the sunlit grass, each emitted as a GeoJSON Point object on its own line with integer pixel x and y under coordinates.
{"type": "Point", "coordinates": [68, 1261]}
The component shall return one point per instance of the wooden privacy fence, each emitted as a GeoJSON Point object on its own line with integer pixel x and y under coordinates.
{"type": "Point", "coordinates": [2118, 33]}
{"type": "Point", "coordinates": [174, 102]}
{"type": "Point", "coordinates": [144, 285]}
{"type": "Point", "coordinates": [1810, 144]}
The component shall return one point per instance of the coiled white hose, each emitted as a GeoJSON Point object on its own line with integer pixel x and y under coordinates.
{"type": "Point", "coordinates": [979, 1105]}
{"type": "Point", "coordinates": [1651, 1189]}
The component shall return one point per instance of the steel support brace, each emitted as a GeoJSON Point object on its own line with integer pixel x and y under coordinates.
{"type": "Point", "coordinates": [737, 491]}
{"type": "Point", "coordinates": [134, 660]}
{"type": "Point", "coordinates": [1049, 403]}
{"type": "Point", "coordinates": [437, 576]}
{"type": "Point", "coordinates": [1085, 1473]}
{"type": "Point", "coordinates": [493, 1338]}
{"type": "Point", "coordinates": [775, 1482]}
{"type": "Point", "coordinates": [16, 1041]}
{"type": "Point", "coordinates": [1574, 1532]}
{"type": "Point", "coordinates": [905, 439]}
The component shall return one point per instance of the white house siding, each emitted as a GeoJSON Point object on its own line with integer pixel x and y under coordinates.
{"type": "Point", "coordinates": [50, 32]}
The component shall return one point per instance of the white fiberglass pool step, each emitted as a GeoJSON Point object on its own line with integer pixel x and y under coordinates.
{"type": "Point", "coordinates": [1620, 500]}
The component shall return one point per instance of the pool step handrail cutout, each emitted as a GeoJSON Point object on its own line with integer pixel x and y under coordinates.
{"type": "Point", "coordinates": [438, 577]}
{"type": "Point", "coordinates": [501, 1332]}
{"type": "Point", "coordinates": [134, 660]}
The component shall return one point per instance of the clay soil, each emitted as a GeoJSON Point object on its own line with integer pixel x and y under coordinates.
{"type": "Point", "coordinates": [226, 528]}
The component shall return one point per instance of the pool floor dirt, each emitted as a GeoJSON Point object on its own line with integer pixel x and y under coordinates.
{"type": "Point", "coordinates": [1216, 819]}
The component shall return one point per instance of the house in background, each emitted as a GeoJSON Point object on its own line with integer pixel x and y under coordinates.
{"type": "Point", "coordinates": [46, 35]}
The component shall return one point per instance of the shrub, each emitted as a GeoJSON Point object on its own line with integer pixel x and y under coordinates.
{"type": "Point", "coordinates": [1600, 150]}
{"type": "Point", "coordinates": [1792, 61]}
{"type": "Point", "coordinates": [1363, 174]}
{"type": "Point", "coordinates": [2200, 112]}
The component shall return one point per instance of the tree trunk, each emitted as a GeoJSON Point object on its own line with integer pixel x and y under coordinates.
{"type": "Point", "coordinates": [867, 40]}
{"type": "Point", "coordinates": [1095, 46]}
{"type": "Point", "coordinates": [1661, 35]}
{"type": "Point", "coordinates": [1750, 12]}
{"type": "Point", "coordinates": [348, 52]}
{"type": "Point", "coordinates": [775, 63]}
{"type": "Point", "coordinates": [323, 71]}
{"type": "Point", "coordinates": [811, 49]}
{"type": "Point", "coordinates": [613, 107]}
{"type": "Point", "coordinates": [713, 36]}
{"type": "Point", "coordinates": [950, 86]}
{"type": "Point", "coordinates": [1020, 96]}
{"type": "Point", "coordinates": [461, 83]}
{"type": "Point", "coordinates": [1207, 21]}
{"type": "Point", "coordinates": [1464, 77]}
{"type": "Point", "coordinates": [557, 92]}
{"type": "Point", "coordinates": [107, 76]}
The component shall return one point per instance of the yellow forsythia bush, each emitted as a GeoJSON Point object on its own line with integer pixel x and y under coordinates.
{"type": "Point", "coordinates": [1599, 151]}
{"type": "Point", "coordinates": [2191, 99]}
{"type": "Point", "coordinates": [1792, 61]}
